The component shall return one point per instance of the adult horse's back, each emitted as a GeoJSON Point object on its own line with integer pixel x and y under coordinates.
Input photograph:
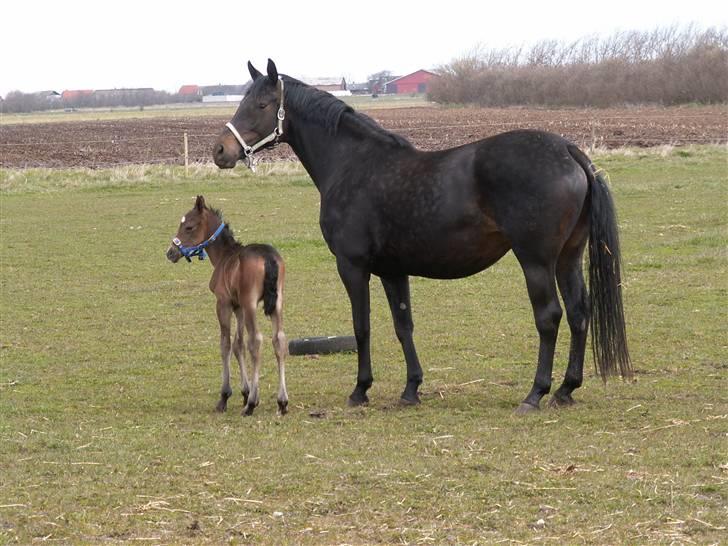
{"type": "Point", "coordinates": [390, 210]}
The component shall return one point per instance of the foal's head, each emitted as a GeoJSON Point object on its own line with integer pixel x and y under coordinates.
{"type": "Point", "coordinates": [195, 227]}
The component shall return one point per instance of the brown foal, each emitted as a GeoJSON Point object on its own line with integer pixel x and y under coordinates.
{"type": "Point", "coordinates": [243, 276]}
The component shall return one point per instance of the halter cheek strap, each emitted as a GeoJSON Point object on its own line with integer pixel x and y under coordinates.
{"type": "Point", "coordinates": [249, 150]}
{"type": "Point", "coordinates": [198, 250]}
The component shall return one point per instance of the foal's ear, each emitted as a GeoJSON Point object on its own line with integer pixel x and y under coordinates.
{"type": "Point", "coordinates": [272, 72]}
{"type": "Point", "coordinates": [254, 73]}
{"type": "Point", "coordinates": [200, 203]}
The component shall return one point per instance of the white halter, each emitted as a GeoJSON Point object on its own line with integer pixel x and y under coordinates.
{"type": "Point", "coordinates": [274, 136]}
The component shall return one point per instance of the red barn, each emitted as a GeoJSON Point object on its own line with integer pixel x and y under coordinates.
{"type": "Point", "coordinates": [417, 82]}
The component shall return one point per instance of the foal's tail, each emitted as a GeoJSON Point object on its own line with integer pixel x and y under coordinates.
{"type": "Point", "coordinates": [270, 285]}
{"type": "Point", "coordinates": [609, 337]}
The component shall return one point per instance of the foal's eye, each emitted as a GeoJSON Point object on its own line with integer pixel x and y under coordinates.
{"type": "Point", "coordinates": [262, 105]}
{"type": "Point", "coordinates": [188, 228]}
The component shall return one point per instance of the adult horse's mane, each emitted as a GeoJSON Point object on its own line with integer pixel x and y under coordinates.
{"type": "Point", "coordinates": [325, 110]}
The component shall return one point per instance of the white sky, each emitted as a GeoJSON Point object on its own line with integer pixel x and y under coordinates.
{"type": "Point", "coordinates": [75, 44]}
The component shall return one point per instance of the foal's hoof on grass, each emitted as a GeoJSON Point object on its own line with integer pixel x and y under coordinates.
{"type": "Point", "coordinates": [248, 410]}
{"type": "Point", "coordinates": [561, 401]}
{"type": "Point", "coordinates": [525, 408]}
{"type": "Point", "coordinates": [282, 407]}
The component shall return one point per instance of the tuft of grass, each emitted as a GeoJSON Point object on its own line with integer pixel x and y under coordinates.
{"type": "Point", "coordinates": [109, 372]}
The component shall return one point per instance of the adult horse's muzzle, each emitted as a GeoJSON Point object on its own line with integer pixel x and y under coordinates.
{"type": "Point", "coordinates": [226, 152]}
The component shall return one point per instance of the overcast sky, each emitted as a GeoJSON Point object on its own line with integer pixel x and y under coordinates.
{"type": "Point", "coordinates": [74, 44]}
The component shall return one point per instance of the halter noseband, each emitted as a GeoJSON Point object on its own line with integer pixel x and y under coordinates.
{"type": "Point", "coordinates": [248, 150]}
{"type": "Point", "coordinates": [198, 250]}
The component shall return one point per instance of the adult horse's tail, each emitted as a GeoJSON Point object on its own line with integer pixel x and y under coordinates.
{"type": "Point", "coordinates": [270, 285]}
{"type": "Point", "coordinates": [609, 337]}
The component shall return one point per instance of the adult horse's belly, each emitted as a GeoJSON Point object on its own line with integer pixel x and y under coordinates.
{"type": "Point", "coordinates": [453, 255]}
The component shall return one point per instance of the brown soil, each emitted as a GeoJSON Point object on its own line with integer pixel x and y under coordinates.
{"type": "Point", "coordinates": [160, 140]}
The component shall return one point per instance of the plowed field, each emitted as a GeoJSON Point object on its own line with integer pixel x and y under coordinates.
{"type": "Point", "coordinates": [160, 140]}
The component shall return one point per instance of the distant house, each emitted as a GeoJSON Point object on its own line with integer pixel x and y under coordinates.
{"type": "Point", "coordinates": [50, 96]}
{"type": "Point", "coordinates": [359, 88]}
{"type": "Point", "coordinates": [224, 93]}
{"type": "Point", "coordinates": [72, 95]}
{"type": "Point", "coordinates": [190, 91]}
{"type": "Point", "coordinates": [335, 86]}
{"type": "Point", "coordinates": [417, 82]}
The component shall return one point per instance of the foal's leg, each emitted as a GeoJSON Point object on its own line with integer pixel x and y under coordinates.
{"type": "Point", "coordinates": [356, 282]}
{"type": "Point", "coordinates": [224, 314]}
{"type": "Point", "coordinates": [398, 295]}
{"type": "Point", "coordinates": [547, 314]}
{"type": "Point", "coordinates": [255, 340]}
{"type": "Point", "coordinates": [280, 347]}
{"type": "Point", "coordinates": [573, 291]}
{"type": "Point", "coordinates": [238, 350]}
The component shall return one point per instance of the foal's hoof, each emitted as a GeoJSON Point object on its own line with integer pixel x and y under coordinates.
{"type": "Point", "coordinates": [358, 399]}
{"type": "Point", "coordinates": [561, 401]}
{"type": "Point", "coordinates": [282, 407]}
{"type": "Point", "coordinates": [525, 408]}
{"type": "Point", "coordinates": [248, 410]}
{"type": "Point", "coordinates": [222, 403]}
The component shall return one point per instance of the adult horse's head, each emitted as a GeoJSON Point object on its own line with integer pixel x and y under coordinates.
{"type": "Point", "coordinates": [257, 123]}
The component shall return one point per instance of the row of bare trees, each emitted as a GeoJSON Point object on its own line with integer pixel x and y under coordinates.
{"type": "Point", "coordinates": [16, 101]}
{"type": "Point", "coordinates": [665, 66]}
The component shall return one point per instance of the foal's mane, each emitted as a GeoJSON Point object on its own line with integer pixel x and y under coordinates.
{"type": "Point", "coordinates": [226, 236]}
{"type": "Point", "coordinates": [327, 111]}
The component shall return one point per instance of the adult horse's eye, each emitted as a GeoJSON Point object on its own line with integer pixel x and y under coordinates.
{"type": "Point", "coordinates": [189, 228]}
{"type": "Point", "coordinates": [262, 105]}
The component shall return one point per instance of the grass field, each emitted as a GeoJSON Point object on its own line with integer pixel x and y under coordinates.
{"type": "Point", "coordinates": [109, 372]}
{"type": "Point", "coordinates": [360, 102]}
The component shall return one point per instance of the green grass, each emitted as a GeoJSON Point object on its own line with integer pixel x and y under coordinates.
{"type": "Point", "coordinates": [109, 372]}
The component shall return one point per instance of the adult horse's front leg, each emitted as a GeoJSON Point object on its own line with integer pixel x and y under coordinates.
{"type": "Point", "coordinates": [398, 295]}
{"type": "Point", "coordinates": [356, 281]}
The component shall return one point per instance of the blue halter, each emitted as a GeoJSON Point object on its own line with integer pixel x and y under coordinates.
{"type": "Point", "coordinates": [198, 250]}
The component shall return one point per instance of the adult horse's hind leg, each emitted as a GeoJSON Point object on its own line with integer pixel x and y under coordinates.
{"type": "Point", "coordinates": [541, 286]}
{"type": "Point", "coordinates": [573, 291]}
{"type": "Point", "coordinates": [224, 314]}
{"type": "Point", "coordinates": [239, 351]}
{"type": "Point", "coordinates": [280, 348]}
{"type": "Point", "coordinates": [398, 295]}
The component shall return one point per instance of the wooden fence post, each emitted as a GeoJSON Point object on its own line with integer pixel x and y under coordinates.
{"type": "Point", "coordinates": [187, 160]}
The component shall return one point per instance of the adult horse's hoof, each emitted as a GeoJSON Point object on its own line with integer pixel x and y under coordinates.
{"type": "Point", "coordinates": [221, 406]}
{"type": "Point", "coordinates": [282, 407]}
{"type": "Point", "coordinates": [561, 401]}
{"type": "Point", "coordinates": [409, 400]}
{"type": "Point", "coordinates": [525, 408]}
{"type": "Point", "coordinates": [357, 399]}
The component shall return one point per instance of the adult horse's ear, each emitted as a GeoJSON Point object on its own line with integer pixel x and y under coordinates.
{"type": "Point", "coordinates": [254, 73]}
{"type": "Point", "coordinates": [272, 72]}
{"type": "Point", "coordinates": [200, 203]}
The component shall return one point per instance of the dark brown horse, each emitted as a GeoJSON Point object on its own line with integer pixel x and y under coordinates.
{"type": "Point", "coordinates": [390, 210]}
{"type": "Point", "coordinates": [243, 276]}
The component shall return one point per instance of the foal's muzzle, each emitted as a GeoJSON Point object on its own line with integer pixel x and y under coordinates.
{"type": "Point", "coordinates": [173, 254]}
